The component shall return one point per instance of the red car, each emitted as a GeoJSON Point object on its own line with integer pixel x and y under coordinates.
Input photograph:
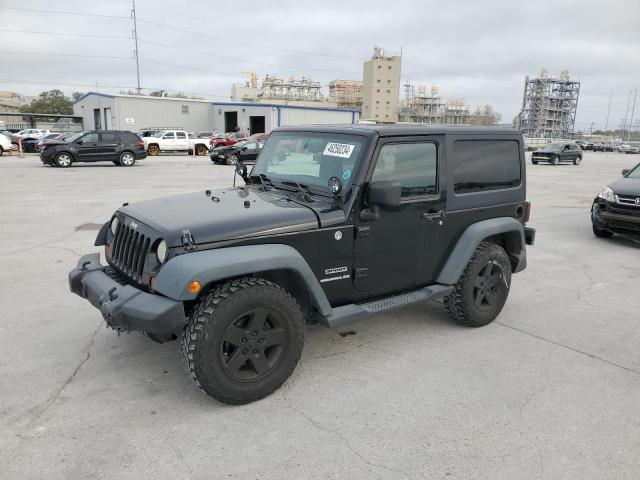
{"type": "Point", "coordinates": [227, 139]}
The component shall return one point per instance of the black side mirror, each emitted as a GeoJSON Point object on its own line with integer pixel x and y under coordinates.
{"type": "Point", "coordinates": [241, 169]}
{"type": "Point", "coordinates": [244, 149]}
{"type": "Point", "coordinates": [384, 194]}
{"type": "Point", "coordinates": [625, 172]}
{"type": "Point", "coordinates": [79, 142]}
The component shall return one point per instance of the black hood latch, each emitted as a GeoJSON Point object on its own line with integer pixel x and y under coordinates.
{"type": "Point", "coordinates": [187, 240]}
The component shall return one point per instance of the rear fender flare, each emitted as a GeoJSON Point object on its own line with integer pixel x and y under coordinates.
{"type": "Point", "coordinates": [211, 266]}
{"type": "Point", "coordinates": [472, 237]}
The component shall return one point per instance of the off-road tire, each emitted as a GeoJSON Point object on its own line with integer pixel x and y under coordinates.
{"type": "Point", "coordinates": [555, 160]}
{"type": "Point", "coordinates": [153, 150]}
{"type": "Point", "coordinates": [460, 302]}
{"type": "Point", "coordinates": [600, 233]}
{"type": "Point", "coordinates": [577, 160]}
{"type": "Point", "coordinates": [204, 339]}
{"type": "Point", "coordinates": [127, 159]}
{"type": "Point", "coordinates": [63, 160]}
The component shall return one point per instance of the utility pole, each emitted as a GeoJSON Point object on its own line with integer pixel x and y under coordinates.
{"type": "Point", "coordinates": [635, 96]}
{"type": "Point", "coordinates": [606, 127]}
{"type": "Point", "coordinates": [135, 38]}
{"type": "Point", "coordinates": [591, 131]}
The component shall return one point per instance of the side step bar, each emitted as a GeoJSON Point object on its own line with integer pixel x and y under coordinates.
{"type": "Point", "coordinates": [356, 311]}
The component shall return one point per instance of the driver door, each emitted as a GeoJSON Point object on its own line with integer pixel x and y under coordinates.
{"type": "Point", "coordinates": [88, 148]}
{"type": "Point", "coordinates": [392, 251]}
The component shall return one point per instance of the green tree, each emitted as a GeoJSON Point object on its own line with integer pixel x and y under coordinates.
{"type": "Point", "coordinates": [54, 102]}
{"type": "Point", "coordinates": [75, 96]}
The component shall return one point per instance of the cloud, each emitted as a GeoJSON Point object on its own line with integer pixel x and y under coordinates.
{"type": "Point", "coordinates": [480, 51]}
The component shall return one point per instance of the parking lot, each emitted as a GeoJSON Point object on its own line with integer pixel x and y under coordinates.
{"type": "Point", "coordinates": [549, 390]}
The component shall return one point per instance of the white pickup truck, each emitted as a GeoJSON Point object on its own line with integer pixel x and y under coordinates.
{"type": "Point", "coordinates": [175, 141]}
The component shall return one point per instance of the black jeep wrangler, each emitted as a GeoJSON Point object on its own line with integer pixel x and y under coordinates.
{"type": "Point", "coordinates": [334, 223]}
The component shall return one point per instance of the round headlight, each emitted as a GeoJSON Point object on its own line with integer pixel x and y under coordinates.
{"type": "Point", "coordinates": [162, 251]}
{"type": "Point", "coordinates": [114, 225]}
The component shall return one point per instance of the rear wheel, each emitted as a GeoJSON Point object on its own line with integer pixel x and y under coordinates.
{"type": "Point", "coordinates": [63, 160]}
{"type": "Point", "coordinates": [153, 150]}
{"type": "Point", "coordinates": [244, 339]}
{"type": "Point", "coordinates": [127, 159]}
{"type": "Point", "coordinates": [201, 150]}
{"type": "Point", "coordinates": [577, 160]}
{"type": "Point", "coordinates": [483, 287]}
{"type": "Point", "coordinates": [600, 233]}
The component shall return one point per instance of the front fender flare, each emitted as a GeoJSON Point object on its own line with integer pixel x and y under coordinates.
{"type": "Point", "coordinates": [209, 266]}
{"type": "Point", "coordinates": [471, 238]}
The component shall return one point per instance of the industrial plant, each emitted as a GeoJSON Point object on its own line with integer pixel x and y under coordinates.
{"type": "Point", "coordinates": [549, 106]}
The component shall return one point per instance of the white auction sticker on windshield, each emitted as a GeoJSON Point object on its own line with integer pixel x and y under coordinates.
{"type": "Point", "coordinates": [343, 150]}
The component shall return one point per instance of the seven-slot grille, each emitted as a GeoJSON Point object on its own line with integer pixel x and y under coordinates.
{"type": "Point", "coordinates": [129, 251]}
{"type": "Point", "coordinates": [629, 200]}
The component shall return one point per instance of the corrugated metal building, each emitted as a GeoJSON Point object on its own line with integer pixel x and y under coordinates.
{"type": "Point", "coordinates": [135, 112]}
{"type": "Point", "coordinates": [264, 117]}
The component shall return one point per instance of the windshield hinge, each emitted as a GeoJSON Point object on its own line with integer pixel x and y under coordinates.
{"type": "Point", "coordinates": [187, 240]}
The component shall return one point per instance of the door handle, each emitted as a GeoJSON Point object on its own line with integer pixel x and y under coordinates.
{"type": "Point", "coordinates": [432, 215]}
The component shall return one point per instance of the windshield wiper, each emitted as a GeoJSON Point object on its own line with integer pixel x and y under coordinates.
{"type": "Point", "coordinates": [302, 188]}
{"type": "Point", "coordinates": [263, 180]}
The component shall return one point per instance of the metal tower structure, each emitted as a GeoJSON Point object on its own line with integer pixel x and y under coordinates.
{"type": "Point", "coordinates": [549, 106]}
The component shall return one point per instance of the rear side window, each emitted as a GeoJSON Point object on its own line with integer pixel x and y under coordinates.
{"type": "Point", "coordinates": [110, 138]}
{"type": "Point", "coordinates": [485, 165]}
{"type": "Point", "coordinates": [129, 137]}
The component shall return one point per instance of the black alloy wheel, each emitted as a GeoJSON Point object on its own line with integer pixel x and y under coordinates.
{"type": "Point", "coordinates": [252, 345]}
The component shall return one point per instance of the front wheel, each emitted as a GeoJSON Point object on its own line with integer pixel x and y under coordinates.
{"type": "Point", "coordinates": [244, 340]}
{"type": "Point", "coordinates": [483, 287]}
{"type": "Point", "coordinates": [232, 159]}
{"type": "Point", "coordinates": [127, 159]}
{"type": "Point", "coordinates": [555, 160]}
{"type": "Point", "coordinates": [63, 160]}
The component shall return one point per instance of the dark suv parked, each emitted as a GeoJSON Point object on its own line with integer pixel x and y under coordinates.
{"type": "Point", "coordinates": [556, 153]}
{"type": "Point", "coordinates": [617, 208]}
{"type": "Point", "coordinates": [356, 220]}
{"type": "Point", "coordinates": [118, 146]}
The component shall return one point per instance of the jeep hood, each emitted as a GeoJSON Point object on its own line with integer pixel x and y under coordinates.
{"type": "Point", "coordinates": [223, 215]}
{"type": "Point", "coordinates": [626, 186]}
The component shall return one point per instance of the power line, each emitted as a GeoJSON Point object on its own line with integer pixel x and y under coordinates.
{"type": "Point", "coordinates": [66, 34]}
{"type": "Point", "coordinates": [56, 54]}
{"type": "Point", "coordinates": [54, 12]}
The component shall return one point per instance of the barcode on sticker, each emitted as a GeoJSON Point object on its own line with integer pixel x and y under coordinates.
{"type": "Point", "coordinates": [343, 150]}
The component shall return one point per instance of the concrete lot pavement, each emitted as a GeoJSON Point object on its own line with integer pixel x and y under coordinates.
{"type": "Point", "coordinates": [549, 390]}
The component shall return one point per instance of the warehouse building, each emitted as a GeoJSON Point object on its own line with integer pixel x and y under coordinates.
{"type": "Point", "coordinates": [264, 117]}
{"type": "Point", "coordinates": [137, 112]}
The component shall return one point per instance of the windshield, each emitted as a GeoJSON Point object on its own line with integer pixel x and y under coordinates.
{"type": "Point", "coordinates": [158, 134]}
{"type": "Point", "coordinates": [635, 173]}
{"type": "Point", "coordinates": [74, 137]}
{"type": "Point", "coordinates": [309, 158]}
{"type": "Point", "coordinates": [554, 147]}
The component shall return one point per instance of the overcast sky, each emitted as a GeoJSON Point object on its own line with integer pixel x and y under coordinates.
{"type": "Point", "coordinates": [476, 50]}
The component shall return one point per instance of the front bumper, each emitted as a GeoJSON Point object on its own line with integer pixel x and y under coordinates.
{"type": "Point", "coordinates": [616, 218]}
{"type": "Point", "coordinates": [124, 307]}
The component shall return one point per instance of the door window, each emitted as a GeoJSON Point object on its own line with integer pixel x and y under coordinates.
{"type": "Point", "coordinates": [109, 138]}
{"type": "Point", "coordinates": [90, 138]}
{"type": "Point", "coordinates": [181, 134]}
{"type": "Point", "coordinates": [169, 136]}
{"type": "Point", "coordinates": [414, 165]}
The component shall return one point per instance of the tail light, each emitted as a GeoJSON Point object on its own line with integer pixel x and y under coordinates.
{"type": "Point", "coordinates": [140, 143]}
{"type": "Point", "coordinates": [527, 211]}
